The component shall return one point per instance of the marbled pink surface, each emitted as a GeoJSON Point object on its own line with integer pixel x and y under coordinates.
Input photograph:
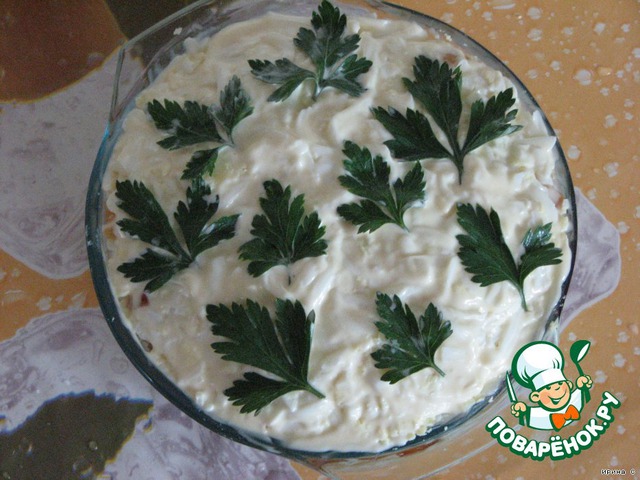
{"type": "Point", "coordinates": [47, 151]}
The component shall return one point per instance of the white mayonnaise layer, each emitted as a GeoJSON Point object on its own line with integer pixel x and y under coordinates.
{"type": "Point", "coordinates": [300, 144]}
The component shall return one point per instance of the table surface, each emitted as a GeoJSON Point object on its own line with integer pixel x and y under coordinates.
{"type": "Point", "coordinates": [581, 61]}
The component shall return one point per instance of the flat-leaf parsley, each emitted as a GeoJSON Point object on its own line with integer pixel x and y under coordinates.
{"type": "Point", "coordinates": [412, 342]}
{"type": "Point", "coordinates": [368, 177]}
{"type": "Point", "coordinates": [280, 346]}
{"type": "Point", "coordinates": [331, 53]}
{"type": "Point", "coordinates": [195, 123]}
{"type": "Point", "coordinates": [148, 222]}
{"type": "Point", "coordinates": [487, 257]}
{"type": "Point", "coordinates": [283, 234]}
{"type": "Point", "coordinates": [437, 88]}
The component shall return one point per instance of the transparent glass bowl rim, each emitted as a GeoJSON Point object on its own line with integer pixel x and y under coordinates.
{"type": "Point", "coordinates": [94, 215]}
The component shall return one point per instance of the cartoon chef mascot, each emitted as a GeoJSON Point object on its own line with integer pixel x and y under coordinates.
{"type": "Point", "coordinates": [538, 366]}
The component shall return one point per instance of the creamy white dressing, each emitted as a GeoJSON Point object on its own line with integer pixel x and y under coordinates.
{"type": "Point", "coordinates": [300, 143]}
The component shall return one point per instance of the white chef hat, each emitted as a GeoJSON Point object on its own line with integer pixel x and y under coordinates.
{"type": "Point", "coordinates": [537, 365]}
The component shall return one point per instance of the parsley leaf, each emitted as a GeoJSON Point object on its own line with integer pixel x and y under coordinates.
{"type": "Point", "coordinates": [412, 342]}
{"type": "Point", "coordinates": [188, 125]}
{"type": "Point", "coordinates": [383, 203]}
{"type": "Point", "coordinates": [330, 51]}
{"type": "Point", "coordinates": [195, 123]}
{"type": "Point", "coordinates": [283, 235]}
{"type": "Point", "coordinates": [437, 88]}
{"type": "Point", "coordinates": [149, 223]}
{"type": "Point", "coordinates": [279, 346]}
{"type": "Point", "coordinates": [486, 256]}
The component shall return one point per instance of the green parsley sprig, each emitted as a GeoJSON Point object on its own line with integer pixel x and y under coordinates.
{"type": "Point", "coordinates": [195, 123]}
{"type": "Point", "coordinates": [148, 222]}
{"type": "Point", "coordinates": [368, 177]}
{"type": "Point", "coordinates": [412, 342]}
{"type": "Point", "coordinates": [437, 88]}
{"type": "Point", "coordinates": [280, 346]}
{"type": "Point", "coordinates": [331, 53]}
{"type": "Point", "coordinates": [485, 254]}
{"type": "Point", "coordinates": [283, 234]}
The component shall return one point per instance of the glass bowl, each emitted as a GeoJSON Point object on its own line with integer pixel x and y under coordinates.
{"type": "Point", "coordinates": [139, 63]}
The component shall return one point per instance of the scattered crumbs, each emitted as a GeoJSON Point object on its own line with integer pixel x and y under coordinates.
{"type": "Point", "coordinates": [614, 461]}
{"type": "Point", "coordinates": [11, 296]}
{"type": "Point", "coordinates": [620, 429]}
{"type": "Point", "coordinates": [447, 17]}
{"type": "Point", "coordinates": [626, 28]}
{"type": "Point", "coordinates": [44, 304]}
{"type": "Point", "coordinates": [573, 152]}
{"type": "Point", "coordinates": [15, 273]}
{"type": "Point", "coordinates": [637, 214]}
{"type": "Point", "coordinates": [535, 34]}
{"type": "Point", "coordinates": [599, 377]}
{"type": "Point", "coordinates": [534, 13]}
{"type": "Point", "coordinates": [636, 350]}
{"type": "Point", "coordinates": [502, 4]}
{"type": "Point", "coordinates": [610, 121]}
{"type": "Point", "coordinates": [572, 337]}
{"type": "Point", "coordinates": [623, 337]}
{"type": "Point", "coordinates": [604, 91]}
{"type": "Point", "coordinates": [591, 194]}
{"type": "Point", "coordinates": [488, 16]}
{"type": "Point", "coordinates": [619, 361]}
{"type": "Point", "coordinates": [604, 71]}
{"type": "Point", "coordinates": [636, 52]}
{"type": "Point", "coordinates": [634, 328]}
{"type": "Point", "coordinates": [501, 458]}
{"type": "Point", "coordinates": [614, 194]}
{"type": "Point", "coordinates": [567, 31]}
{"type": "Point", "coordinates": [493, 35]}
{"type": "Point", "coordinates": [583, 76]}
{"type": "Point", "coordinates": [555, 65]}
{"type": "Point", "coordinates": [533, 73]}
{"type": "Point", "coordinates": [580, 471]}
{"type": "Point", "coordinates": [177, 31]}
{"type": "Point", "coordinates": [599, 27]}
{"type": "Point", "coordinates": [628, 116]}
{"type": "Point", "coordinates": [77, 301]}
{"type": "Point", "coordinates": [628, 103]}
{"type": "Point", "coordinates": [611, 169]}
{"type": "Point", "coordinates": [623, 228]}
{"type": "Point", "coordinates": [618, 322]}
{"type": "Point", "coordinates": [621, 396]}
